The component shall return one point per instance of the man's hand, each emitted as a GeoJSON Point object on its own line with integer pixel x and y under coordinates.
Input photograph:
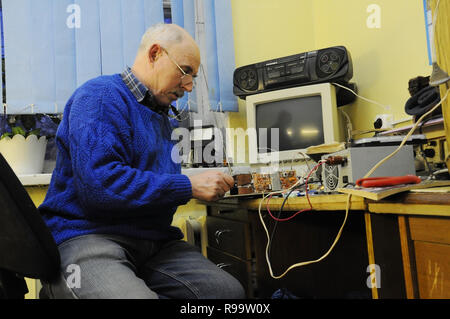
{"type": "Point", "coordinates": [211, 186]}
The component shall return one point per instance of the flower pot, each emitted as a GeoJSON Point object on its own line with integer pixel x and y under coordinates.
{"type": "Point", "coordinates": [24, 155]}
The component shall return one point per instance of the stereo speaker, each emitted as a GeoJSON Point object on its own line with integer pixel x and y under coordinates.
{"type": "Point", "coordinates": [332, 64]}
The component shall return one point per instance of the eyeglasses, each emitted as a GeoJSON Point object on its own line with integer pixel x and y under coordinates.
{"type": "Point", "coordinates": [187, 80]}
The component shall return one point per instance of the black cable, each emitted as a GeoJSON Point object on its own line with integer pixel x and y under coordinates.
{"type": "Point", "coordinates": [279, 214]}
{"type": "Point", "coordinates": [422, 152]}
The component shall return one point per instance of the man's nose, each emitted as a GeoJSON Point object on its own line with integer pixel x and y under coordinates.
{"type": "Point", "coordinates": [187, 87]}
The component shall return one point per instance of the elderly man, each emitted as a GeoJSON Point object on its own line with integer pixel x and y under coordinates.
{"type": "Point", "coordinates": [115, 187]}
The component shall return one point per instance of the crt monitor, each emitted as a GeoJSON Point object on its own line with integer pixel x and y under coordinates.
{"type": "Point", "coordinates": [286, 122]}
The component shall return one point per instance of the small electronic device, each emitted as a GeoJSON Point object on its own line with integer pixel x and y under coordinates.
{"type": "Point", "coordinates": [318, 66]}
{"type": "Point", "coordinates": [355, 162]}
{"type": "Point", "coordinates": [286, 122]}
{"type": "Point", "coordinates": [415, 139]}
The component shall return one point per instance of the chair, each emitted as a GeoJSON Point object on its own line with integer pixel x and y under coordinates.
{"type": "Point", "coordinates": [27, 248]}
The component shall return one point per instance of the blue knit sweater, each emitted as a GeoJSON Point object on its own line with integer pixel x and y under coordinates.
{"type": "Point", "coordinates": [114, 173]}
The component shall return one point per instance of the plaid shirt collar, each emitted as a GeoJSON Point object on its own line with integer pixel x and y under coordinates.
{"type": "Point", "coordinates": [136, 87]}
{"type": "Point", "coordinates": [142, 94]}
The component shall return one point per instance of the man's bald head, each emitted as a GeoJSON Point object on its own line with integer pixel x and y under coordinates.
{"type": "Point", "coordinates": [167, 52]}
{"type": "Point", "coordinates": [165, 35]}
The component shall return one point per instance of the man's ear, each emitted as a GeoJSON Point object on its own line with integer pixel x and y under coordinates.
{"type": "Point", "coordinates": [154, 53]}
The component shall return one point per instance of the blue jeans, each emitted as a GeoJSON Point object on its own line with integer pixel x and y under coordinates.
{"type": "Point", "coordinates": [116, 267]}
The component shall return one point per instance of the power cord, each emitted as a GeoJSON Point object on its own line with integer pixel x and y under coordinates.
{"type": "Point", "coordinates": [407, 135]}
{"type": "Point", "coordinates": [385, 107]}
{"type": "Point", "coordinates": [268, 245]}
{"type": "Point", "coordinates": [349, 195]}
{"type": "Point", "coordinates": [307, 197]}
{"type": "Point", "coordinates": [300, 264]}
{"type": "Point", "coordinates": [279, 214]}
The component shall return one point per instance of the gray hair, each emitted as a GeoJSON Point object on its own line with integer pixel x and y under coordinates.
{"type": "Point", "coordinates": [164, 34]}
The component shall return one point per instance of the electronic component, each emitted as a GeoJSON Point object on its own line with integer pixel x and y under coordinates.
{"type": "Point", "coordinates": [288, 179]}
{"type": "Point", "coordinates": [264, 183]}
{"type": "Point", "coordinates": [243, 184]}
{"type": "Point", "coordinates": [243, 179]}
{"type": "Point", "coordinates": [336, 160]}
{"type": "Point", "coordinates": [359, 160]}
{"type": "Point", "coordinates": [389, 140]}
{"type": "Point", "coordinates": [248, 189]}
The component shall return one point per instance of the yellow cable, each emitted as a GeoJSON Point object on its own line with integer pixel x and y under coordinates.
{"type": "Point", "coordinates": [407, 136]}
{"type": "Point", "coordinates": [300, 263]}
{"type": "Point", "coordinates": [347, 204]}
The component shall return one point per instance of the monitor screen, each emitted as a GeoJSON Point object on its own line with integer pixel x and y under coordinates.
{"type": "Point", "coordinates": [298, 119]}
{"type": "Point", "coordinates": [294, 119]}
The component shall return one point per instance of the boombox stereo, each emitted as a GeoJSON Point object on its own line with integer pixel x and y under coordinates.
{"type": "Point", "coordinates": [332, 64]}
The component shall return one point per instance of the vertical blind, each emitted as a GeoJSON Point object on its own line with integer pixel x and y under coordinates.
{"type": "Point", "coordinates": [183, 14]}
{"type": "Point", "coordinates": [54, 46]}
{"type": "Point", "coordinates": [219, 46]}
{"type": "Point", "coordinates": [225, 54]}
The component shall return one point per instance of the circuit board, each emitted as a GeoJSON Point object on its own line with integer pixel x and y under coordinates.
{"type": "Point", "coordinates": [288, 179]}
{"type": "Point", "coordinates": [262, 182]}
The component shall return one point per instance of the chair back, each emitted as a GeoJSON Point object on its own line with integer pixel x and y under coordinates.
{"type": "Point", "coordinates": [27, 247]}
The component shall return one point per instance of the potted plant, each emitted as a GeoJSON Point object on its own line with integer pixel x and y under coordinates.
{"type": "Point", "coordinates": [23, 142]}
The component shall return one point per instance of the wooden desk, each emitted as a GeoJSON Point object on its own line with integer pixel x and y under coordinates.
{"type": "Point", "coordinates": [424, 227]}
{"type": "Point", "coordinates": [319, 203]}
{"type": "Point", "coordinates": [393, 234]}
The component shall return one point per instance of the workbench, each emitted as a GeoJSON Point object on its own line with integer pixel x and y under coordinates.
{"type": "Point", "coordinates": [397, 247]}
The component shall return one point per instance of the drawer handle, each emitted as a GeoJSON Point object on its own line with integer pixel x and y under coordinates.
{"type": "Point", "coordinates": [226, 211]}
{"type": "Point", "coordinates": [223, 265]}
{"type": "Point", "coordinates": [219, 233]}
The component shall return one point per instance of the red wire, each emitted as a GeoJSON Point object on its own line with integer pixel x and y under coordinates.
{"type": "Point", "coordinates": [300, 211]}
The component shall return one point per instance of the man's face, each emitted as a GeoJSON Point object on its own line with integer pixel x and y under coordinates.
{"type": "Point", "coordinates": [170, 83]}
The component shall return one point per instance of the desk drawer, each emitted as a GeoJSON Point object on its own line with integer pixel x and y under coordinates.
{"type": "Point", "coordinates": [433, 270]}
{"type": "Point", "coordinates": [432, 229]}
{"type": "Point", "coordinates": [230, 236]}
{"type": "Point", "coordinates": [240, 214]}
{"type": "Point", "coordinates": [239, 269]}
